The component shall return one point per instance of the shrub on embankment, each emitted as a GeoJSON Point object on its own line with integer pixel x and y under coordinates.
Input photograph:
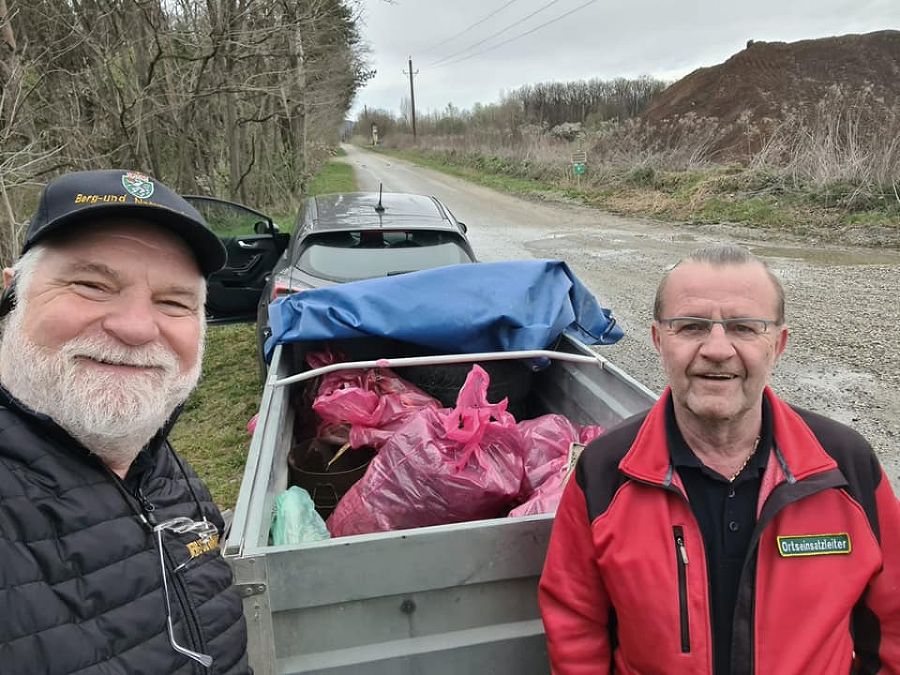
{"type": "Point", "coordinates": [833, 171]}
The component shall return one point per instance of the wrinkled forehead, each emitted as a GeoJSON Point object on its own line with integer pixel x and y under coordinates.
{"type": "Point", "coordinates": [119, 238]}
{"type": "Point", "coordinates": [747, 285]}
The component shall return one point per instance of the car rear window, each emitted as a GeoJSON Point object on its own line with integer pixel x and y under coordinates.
{"type": "Point", "coordinates": [364, 254]}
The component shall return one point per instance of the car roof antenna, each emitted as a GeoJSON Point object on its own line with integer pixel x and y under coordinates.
{"type": "Point", "coordinates": [379, 208]}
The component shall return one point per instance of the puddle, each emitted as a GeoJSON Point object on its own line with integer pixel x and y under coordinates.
{"type": "Point", "coordinates": [827, 256]}
{"type": "Point", "coordinates": [616, 253]}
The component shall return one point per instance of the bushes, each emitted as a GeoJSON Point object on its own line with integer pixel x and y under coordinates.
{"type": "Point", "coordinates": [837, 163]}
{"type": "Point", "coordinates": [642, 176]}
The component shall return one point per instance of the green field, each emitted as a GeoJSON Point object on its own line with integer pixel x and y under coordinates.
{"type": "Point", "coordinates": [212, 430]}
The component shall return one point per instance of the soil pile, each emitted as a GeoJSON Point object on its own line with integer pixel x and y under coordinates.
{"type": "Point", "coordinates": [769, 81]}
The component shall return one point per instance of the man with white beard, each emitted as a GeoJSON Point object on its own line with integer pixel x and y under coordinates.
{"type": "Point", "coordinates": [109, 558]}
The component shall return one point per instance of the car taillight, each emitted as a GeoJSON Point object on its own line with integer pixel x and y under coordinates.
{"type": "Point", "coordinates": [280, 290]}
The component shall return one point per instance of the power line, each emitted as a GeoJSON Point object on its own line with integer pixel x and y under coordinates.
{"type": "Point", "coordinates": [468, 28]}
{"type": "Point", "coordinates": [492, 36]}
{"type": "Point", "coordinates": [512, 39]}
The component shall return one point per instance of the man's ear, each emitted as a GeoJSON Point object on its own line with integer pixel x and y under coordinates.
{"type": "Point", "coordinates": [781, 341]}
{"type": "Point", "coordinates": [654, 333]}
{"type": "Point", "coordinates": [8, 297]}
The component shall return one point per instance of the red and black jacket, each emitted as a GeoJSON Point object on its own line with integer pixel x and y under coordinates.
{"type": "Point", "coordinates": [625, 584]}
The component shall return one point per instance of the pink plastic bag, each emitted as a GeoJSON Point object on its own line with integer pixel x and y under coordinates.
{"type": "Point", "coordinates": [546, 455]}
{"type": "Point", "coordinates": [441, 466]}
{"type": "Point", "coordinates": [365, 407]}
{"type": "Point", "coordinates": [547, 439]}
{"type": "Point", "coordinates": [545, 499]}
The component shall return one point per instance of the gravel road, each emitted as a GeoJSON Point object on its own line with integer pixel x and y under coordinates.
{"type": "Point", "coordinates": [843, 304]}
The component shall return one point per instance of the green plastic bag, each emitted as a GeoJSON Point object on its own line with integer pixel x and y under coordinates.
{"type": "Point", "coordinates": [295, 520]}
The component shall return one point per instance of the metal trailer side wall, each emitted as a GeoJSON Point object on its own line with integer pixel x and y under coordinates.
{"type": "Point", "coordinates": [448, 599]}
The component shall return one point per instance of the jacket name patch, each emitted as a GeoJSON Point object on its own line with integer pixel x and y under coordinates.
{"type": "Point", "coordinates": [202, 546]}
{"type": "Point", "coordinates": [814, 544]}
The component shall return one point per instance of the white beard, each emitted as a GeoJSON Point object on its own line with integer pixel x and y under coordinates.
{"type": "Point", "coordinates": [112, 415]}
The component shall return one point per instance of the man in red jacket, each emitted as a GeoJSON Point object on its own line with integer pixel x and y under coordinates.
{"type": "Point", "coordinates": [724, 531]}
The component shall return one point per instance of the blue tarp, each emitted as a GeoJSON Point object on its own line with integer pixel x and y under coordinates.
{"type": "Point", "coordinates": [481, 307]}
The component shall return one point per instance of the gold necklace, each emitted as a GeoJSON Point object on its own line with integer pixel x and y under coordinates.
{"type": "Point", "coordinates": [746, 461]}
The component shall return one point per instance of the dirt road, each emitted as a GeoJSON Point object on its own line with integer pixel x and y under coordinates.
{"type": "Point", "coordinates": [843, 305]}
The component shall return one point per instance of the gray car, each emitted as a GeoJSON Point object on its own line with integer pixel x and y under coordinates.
{"type": "Point", "coordinates": [337, 238]}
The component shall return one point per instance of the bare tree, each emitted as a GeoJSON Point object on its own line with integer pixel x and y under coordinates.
{"type": "Point", "coordinates": [228, 97]}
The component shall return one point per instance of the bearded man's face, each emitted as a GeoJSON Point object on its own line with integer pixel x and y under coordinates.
{"type": "Point", "coordinates": [106, 337]}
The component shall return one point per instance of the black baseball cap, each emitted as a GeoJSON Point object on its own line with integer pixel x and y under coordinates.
{"type": "Point", "coordinates": [75, 199]}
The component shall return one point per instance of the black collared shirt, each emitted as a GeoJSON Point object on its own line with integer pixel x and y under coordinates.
{"type": "Point", "coordinates": [726, 514]}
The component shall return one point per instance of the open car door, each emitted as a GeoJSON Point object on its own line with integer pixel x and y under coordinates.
{"type": "Point", "coordinates": [254, 245]}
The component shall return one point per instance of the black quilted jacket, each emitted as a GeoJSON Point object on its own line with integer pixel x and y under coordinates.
{"type": "Point", "coordinates": [80, 581]}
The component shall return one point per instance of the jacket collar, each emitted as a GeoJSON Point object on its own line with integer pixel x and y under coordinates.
{"type": "Point", "coordinates": [46, 425]}
{"type": "Point", "coordinates": [796, 453]}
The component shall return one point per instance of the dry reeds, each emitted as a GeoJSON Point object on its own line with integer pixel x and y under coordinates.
{"type": "Point", "coordinates": [847, 143]}
{"type": "Point", "coordinates": [843, 150]}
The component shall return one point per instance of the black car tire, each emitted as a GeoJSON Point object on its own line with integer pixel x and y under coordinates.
{"type": "Point", "coordinates": [508, 379]}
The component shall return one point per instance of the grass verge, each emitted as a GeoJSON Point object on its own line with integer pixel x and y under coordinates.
{"type": "Point", "coordinates": [481, 176]}
{"type": "Point", "coordinates": [335, 176]}
{"type": "Point", "coordinates": [212, 430]}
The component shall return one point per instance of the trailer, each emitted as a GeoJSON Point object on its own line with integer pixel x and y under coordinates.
{"type": "Point", "coordinates": [444, 599]}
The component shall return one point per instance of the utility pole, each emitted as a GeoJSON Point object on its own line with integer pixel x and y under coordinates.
{"type": "Point", "coordinates": [412, 97]}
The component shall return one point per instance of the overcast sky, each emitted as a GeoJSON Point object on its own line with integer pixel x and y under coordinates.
{"type": "Point", "coordinates": [604, 39]}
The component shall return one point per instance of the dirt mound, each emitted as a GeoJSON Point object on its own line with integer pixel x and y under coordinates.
{"type": "Point", "coordinates": [768, 81]}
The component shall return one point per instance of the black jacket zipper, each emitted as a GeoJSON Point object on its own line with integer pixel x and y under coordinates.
{"type": "Point", "coordinates": [681, 562]}
{"type": "Point", "coordinates": [147, 507]}
{"type": "Point", "coordinates": [193, 623]}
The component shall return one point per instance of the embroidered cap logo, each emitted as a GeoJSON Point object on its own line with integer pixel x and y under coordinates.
{"type": "Point", "coordinates": [138, 185]}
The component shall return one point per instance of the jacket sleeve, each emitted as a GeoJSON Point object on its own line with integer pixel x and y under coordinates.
{"type": "Point", "coordinates": [877, 638]}
{"type": "Point", "coordinates": [573, 600]}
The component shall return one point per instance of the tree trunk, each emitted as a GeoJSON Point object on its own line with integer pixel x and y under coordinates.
{"type": "Point", "coordinates": [10, 88]}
